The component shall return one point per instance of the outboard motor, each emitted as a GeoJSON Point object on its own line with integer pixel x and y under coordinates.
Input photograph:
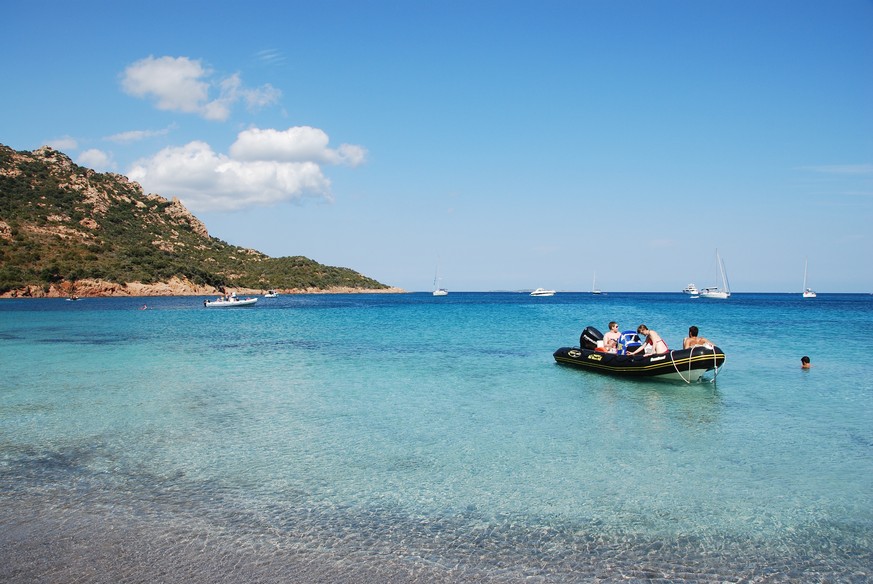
{"type": "Point", "coordinates": [589, 337]}
{"type": "Point", "coordinates": [629, 341]}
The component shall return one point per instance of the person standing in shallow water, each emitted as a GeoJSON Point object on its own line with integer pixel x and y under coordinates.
{"type": "Point", "coordinates": [804, 362]}
{"type": "Point", "coordinates": [692, 340]}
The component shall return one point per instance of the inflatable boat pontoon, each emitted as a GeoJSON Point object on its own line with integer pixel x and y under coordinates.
{"type": "Point", "coordinates": [687, 365]}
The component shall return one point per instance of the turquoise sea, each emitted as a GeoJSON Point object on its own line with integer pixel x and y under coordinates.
{"type": "Point", "coordinates": [407, 438]}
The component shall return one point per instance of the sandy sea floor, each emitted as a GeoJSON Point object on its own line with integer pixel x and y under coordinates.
{"type": "Point", "coordinates": [41, 547]}
{"type": "Point", "coordinates": [47, 540]}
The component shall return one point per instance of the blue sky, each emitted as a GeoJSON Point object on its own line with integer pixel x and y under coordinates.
{"type": "Point", "coordinates": [517, 144]}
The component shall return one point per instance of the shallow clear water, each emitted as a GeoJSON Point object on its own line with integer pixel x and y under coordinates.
{"type": "Point", "coordinates": [432, 439]}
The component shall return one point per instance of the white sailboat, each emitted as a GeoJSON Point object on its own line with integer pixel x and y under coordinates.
{"type": "Point", "coordinates": [437, 289]}
{"type": "Point", "coordinates": [807, 292]}
{"type": "Point", "coordinates": [723, 291]}
{"type": "Point", "coordinates": [594, 288]}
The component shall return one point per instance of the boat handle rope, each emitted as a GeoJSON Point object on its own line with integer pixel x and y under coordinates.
{"type": "Point", "coordinates": [688, 381]}
{"type": "Point", "coordinates": [682, 377]}
{"type": "Point", "coordinates": [715, 365]}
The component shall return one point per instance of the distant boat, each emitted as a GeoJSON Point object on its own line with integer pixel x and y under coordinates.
{"type": "Point", "coordinates": [271, 294]}
{"type": "Point", "coordinates": [807, 292]}
{"type": "Point", "coordinates": [691, 289]}
{"type": "Point", "coordinates": [594, 288]}
{"type": "Point", "coordinates": [229, 302]}
{"type": "Point", "coordinates": [723, 291]}
{"type": "Point", "coordinates": [437, 290]}
{"type": "Point", "coordinates": [542, 292]}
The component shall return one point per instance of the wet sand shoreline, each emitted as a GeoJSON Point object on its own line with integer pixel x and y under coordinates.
{"type": "Point", "coordinates": [44, 539]}
{"type": "Point", "coordinates": [39, 547]}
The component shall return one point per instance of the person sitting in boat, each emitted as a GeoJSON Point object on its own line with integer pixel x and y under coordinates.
{"type": "Point", "coordinates": [610, 339]}
{"type": "Point", "coordinates": [654, 344]}
{"type": "Point", "coordinates": [692, 340]}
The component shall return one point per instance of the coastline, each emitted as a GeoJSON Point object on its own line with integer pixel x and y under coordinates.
{"type": "Point", "coordinates": [174, 287]}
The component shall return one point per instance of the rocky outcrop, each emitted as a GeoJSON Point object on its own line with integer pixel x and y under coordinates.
{"type": "Point", "coordinates": [99, 191]}
{"type": "Point", "coordinates": [180, 214]}
{"type": "Point", "coordinates": [85, 288]}
{"type": "Point", "coordinates": [62, 224]}
{"type": "Point", "coordinates": [174, 287]}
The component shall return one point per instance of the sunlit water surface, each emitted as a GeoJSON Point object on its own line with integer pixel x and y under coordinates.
{"type": "Point", "coordinates": [411, 438]}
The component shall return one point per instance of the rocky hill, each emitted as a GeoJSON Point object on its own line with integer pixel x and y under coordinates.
{"type": "Point", "coordinates": [66, 229]}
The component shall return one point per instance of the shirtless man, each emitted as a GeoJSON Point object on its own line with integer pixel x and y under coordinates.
{"type": "Point", "coordinates": [653, 340]}
{"type": "Point", "coordinates": [610, 339]}
{"type": "Point", "coordinates": [692, 340]}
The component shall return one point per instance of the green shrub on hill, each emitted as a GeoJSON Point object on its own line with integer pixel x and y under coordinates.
{"type": "Point", "coordinates": [60, 222]}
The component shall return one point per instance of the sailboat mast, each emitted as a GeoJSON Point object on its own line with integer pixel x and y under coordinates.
{"type": "Point", "coordinates": [717, 265]}
{"type": "Point", "coordinates": [436, 274]}
{"type": "Point", "coordinates": [437, 289]}
{"type": "Point", "coordinates": [805, 265]}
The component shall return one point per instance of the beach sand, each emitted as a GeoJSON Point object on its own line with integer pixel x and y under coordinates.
{"type": "Point", "coordinates": [37, 546]}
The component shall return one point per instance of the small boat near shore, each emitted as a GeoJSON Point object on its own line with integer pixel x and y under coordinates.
{"type": "Point", "coordinates": [687, 365]}
{"type": "Point", "coordinates": [542, 292]}
{"type": "Point", "coordinates": [230, 302]}
{"type": "Point", "coordinates": [271, 294]}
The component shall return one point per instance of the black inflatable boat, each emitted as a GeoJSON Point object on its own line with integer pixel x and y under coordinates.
{"type": "Point", "coordinates": [687, 365]}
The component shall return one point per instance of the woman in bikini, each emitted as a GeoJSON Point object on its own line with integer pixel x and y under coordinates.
{"type": "Point", "coordinates": [653, 340]}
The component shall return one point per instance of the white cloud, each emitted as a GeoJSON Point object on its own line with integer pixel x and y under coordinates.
{"type": "Point", "coordinates": [96, 159]}
{"type": "Point", "coordinates": [137, 135]}
{"type": "Point", "coordinates": [261, 97]}
{"type": "Point", "coordinates": [183, 85]}
{"type": "Point", "coordinates": [64, 143]}
{"type": "Point", "coordinates": [206, 180]}
{"type": "Point", "coordinates": [175, 83]}
{"type": "Point", "coordinates": [270, 57]}
{"type": "Point", "coordinates": [293, 145]}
